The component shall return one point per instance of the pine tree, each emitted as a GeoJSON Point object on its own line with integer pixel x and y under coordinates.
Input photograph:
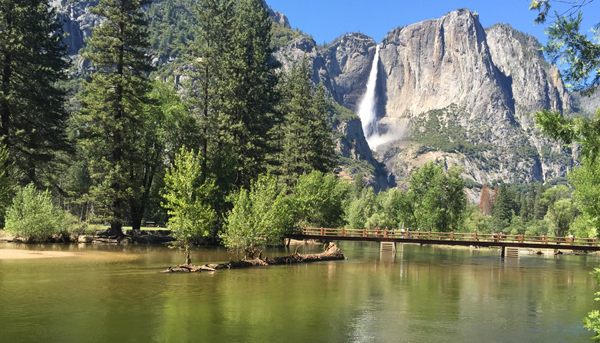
{"type": "Point", "coordinates": [502, 210]}
{"type": "Point", "coordinates": [323, 144]}
{"type": "Point", "coordinates": [539, 208]}
{"type": "Point", "coordinates": [248, 91]}
{"type": "Point", "coordinates": [205, 92]}
{"type": "Point", "coordinates": [114, 106]}
{"type": "Point", "coordinates": [531, 202]}
{"type": "Point", "coordinates": [32, 115]}
{"type": "Point", "coordinates": [307, 142]}
{"type": "Point", "coordinates": [524, 211]}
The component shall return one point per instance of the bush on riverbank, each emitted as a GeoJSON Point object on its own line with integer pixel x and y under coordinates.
{"type": "Point", "coordinates": [33, 217]}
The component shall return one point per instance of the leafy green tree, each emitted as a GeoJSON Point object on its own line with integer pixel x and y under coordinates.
{"type": "Point", "coordinates": [560, 217]}
{"type": "Point", "coordinates": [437, 200]}
{"type": "Point", "coordinates": [115, 101]}
{"type": "Point", "coordinates": [524, 212]}
{"type": "Point", "coordinates": [568, 45]}
{"type": "Point", "coordinates": [391, 211]}
{"type": "Point", "coordinates": [477, 221]}
{"type": "Point", "coordinates": [581, 55]}
{"type": "Point", "coordinates": [32, 62]}
{"type": "Point", "coordinates": [586, 195]}
{"type": "Point", "coordinates": [592, 321]}
{"type": "Point", "coordinates": [34, 217]}
{"type": "Point", "coordinates": [531, 197]}
{"type": "Point", "coordinates": [318, 199]}
{"type": "Point", "coordinates": [261, 216]}
{"type": "Point", "coordinates": [361, 209]}
{"type": "Point", "coordinates": [187, 198]}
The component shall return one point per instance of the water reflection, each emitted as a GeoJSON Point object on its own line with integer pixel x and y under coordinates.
{"type": "Point", "coordinates": [420, 294]}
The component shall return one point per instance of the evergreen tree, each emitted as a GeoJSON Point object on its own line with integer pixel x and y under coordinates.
{"type": "Point", "coordinates": [114, 104]}
{"type": "Point", "coordinates": [502, 211]}
{"type": "Point", "coordinates": [248, 91]}
{"type": "Point", "coordinates": [32, 115]}
{"type": "Point", "coordinates": [205, 91]}
{"type": "Point", "coordinates": [358, 185]}
{"type": "Point", "coordinates": [531, 202]}
{"type": "Point", "coordinates": [524, 208]}
{"type": "Point", "coordinates": [307, 142]}
{"type": "Point", "coordinates": [539, 208]}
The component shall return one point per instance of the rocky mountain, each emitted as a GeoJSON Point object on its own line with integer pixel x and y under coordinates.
{"type": "Point", "coordinates": [452, 91]}
{"type": "Point", "coordinates": [447, 90]}
{"type": "Point", "coordinates": [465, 95]}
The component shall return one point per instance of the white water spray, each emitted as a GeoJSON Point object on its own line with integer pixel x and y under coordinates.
{"type": "Point", "coordinates": [366, 110]}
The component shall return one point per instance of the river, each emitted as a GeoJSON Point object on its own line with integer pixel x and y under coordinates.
{"type": "Point", "coordinates": [423, 294]}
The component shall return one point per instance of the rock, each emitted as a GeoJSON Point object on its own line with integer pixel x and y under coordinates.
{"type": "Point", "coordinates": [85, 239]}
{"type": "Point", "coordinates": [480, 84]}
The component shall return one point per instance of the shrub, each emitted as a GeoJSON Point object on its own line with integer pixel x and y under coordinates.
{"type": "Point", "coordinates": [33, 217]}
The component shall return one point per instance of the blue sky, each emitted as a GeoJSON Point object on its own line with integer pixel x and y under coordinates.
{"type": "Point", "coordinates": [328, 19]}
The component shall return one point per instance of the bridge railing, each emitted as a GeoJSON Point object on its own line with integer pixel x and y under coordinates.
{"type": "Point", "coordinates": [448, 236]}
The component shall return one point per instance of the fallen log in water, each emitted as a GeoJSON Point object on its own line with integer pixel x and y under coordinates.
{"type": "Point", "coordinates": [332, 252]}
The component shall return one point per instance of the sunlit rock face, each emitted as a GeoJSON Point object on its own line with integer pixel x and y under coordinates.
{"type": "Point", "coordinates": [466, 94]}
{"type": "Point", "coordinates": [447, 90]}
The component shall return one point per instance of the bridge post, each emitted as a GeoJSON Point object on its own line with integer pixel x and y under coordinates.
{"type": "Point", "coordinates": [452, 235]}
{"type": "Point", "coordinates": [429, 235]}
{"type": "Point", "coordinates": [475, 236]}
{"type": "Point", "coordinates": [343, 232]}
{"type": "Point", "coordinates": [364, 232]}
{"type": "Point", "coordinates": [521, 238]}
{"type": "Point", "coordinates": [322, 232]}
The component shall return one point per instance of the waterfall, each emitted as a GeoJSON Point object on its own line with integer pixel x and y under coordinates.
{"type": "Point", "coordinates": [366, 110]}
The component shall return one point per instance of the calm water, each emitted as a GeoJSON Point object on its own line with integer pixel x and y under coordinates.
{"type": "Point", "coordinates": [423, 294]}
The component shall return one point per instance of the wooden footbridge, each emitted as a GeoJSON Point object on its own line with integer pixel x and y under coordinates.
{"type": "Point", "coordinates": [449, 238]}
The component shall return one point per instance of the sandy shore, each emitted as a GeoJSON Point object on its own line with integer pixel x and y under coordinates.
{"type": "Point", "coordinates": [16, 254]}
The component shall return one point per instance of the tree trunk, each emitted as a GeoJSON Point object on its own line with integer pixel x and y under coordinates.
{"type": "Point", "coordinates": [188, 259]}
{"type": "Point", "coordinates": [136, 225]}
{"type": "Point", "coordinates": [4, 106]}
{"type": "Point", "coordinates": [116, 229]}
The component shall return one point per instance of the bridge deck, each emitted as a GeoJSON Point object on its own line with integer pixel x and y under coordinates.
{"type": "Point", "coordinates": [450, 238]}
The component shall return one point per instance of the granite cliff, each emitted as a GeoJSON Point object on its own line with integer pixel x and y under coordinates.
{"type": "Point", "coordinates": [447, 90]}
{"type": "Point", "coordinates": [465, 95]}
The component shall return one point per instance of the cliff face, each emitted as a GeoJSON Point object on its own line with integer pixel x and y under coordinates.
{"type": "Point", "coordinates": [78, 21]}
{"type": "Point", "coordinates": [343, 68]}
{"type": "Point", "coordinates": [466, 94]}
{"type": "Point", "coordinates": [435, 63]}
